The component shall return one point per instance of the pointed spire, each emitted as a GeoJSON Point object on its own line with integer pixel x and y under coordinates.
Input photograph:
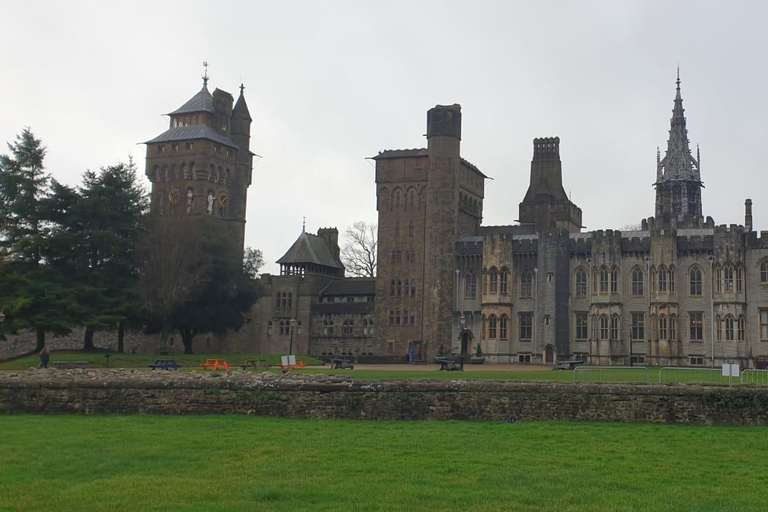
{"type": "Point", "coordinates": [205, 74]}
{"type": "Point", "coordinates": [303, 224]}
{"type": "Point", "coordinates": [242, 88]}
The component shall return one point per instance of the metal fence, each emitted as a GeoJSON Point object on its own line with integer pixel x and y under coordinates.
{"type": "Point", "coordinates": [683, 374]}
{"type": "Point", "coordinates": [611, 374]}
{"type": "Point", "coordinates": [759, 377]}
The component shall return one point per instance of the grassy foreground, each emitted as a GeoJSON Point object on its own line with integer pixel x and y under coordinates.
{"type": "Point", "coordinates": [245, 463]}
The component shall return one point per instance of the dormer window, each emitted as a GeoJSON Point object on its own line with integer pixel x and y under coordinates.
{"type": "Point", "coordinates": [174, 147]}
{"type": "Point", "coordinates": [161, 149]}
{"type": "Point", "coordinates": [190, 146]}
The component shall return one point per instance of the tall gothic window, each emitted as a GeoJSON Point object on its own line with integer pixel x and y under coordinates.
{"type": "Point", "coordinates": [603, 327]}
{"type": "Point", "coordinates": [526, 284]}
{"type": "Point", "coordinates": [662, 278]}
{"type": "Point", "coordinates": [493, 281]}
{"type": "Point", "coordinates": [581, 282]}
{"type": "Point", "coordinates": [615, 280]}
{"type": "Point", "coordinates": [728, 278]}
{"type": "Point", "coordinates": [603, 280]}
{"type": "Point", "coordinates": [637, 282]}
{"type": "Point", "coordinates": [615, 327]}
{"type": "Point", "coordinates": [695, 281]}
{"type": "Point", "coordinates": [503, 277]}
{"type": "Point", "coordinates": [492, 327]}
{"type": "Point", "coordinates": [764, 272]}
{"type": "Point", "coordinates": [503, 324]}
{"type": "Point", "coordinates": [662, 327]}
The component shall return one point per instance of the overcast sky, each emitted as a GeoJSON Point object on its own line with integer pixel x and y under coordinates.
{"type": "Point", "coordinates": [331, 83]}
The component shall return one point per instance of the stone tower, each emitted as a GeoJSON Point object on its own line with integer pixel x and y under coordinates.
{"type": "Point", "coordinates": [678, 181]}
{"type": "Point", "coordinates": [546, 205]}
{"type": "Point", "coordinates": [202, 164]}
{"type": "Point", "coordinates": [427, 199]}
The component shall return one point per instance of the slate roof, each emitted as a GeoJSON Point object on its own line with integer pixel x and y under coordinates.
{"type": "Point", "coordinates": [351, 286]}
{"type": "Point", "coordinates": [197, 131]}
{"type": "Point", "coordinates": [310, 249]}
{"type": "Point", "coordinates": [401, 153]}
{"type": "Point", "coordinates": [200, 102]}
{"type": "Point", "coordinates": [241, 107]}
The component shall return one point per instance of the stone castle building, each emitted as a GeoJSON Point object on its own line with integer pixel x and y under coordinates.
{"type": "Point", "coordinates": [679, 291]}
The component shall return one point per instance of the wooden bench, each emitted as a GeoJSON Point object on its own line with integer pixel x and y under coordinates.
{"type": "Point", "coordinates": [165, 364]}
{"type": "Point", "coordinates": [68, 365]}
{"type": "Point", "coordinates": [254, 364]}
{"type": "Point", "coordinates": [341, 364]}
{"type": "Point", "coordinates": [216, 364]}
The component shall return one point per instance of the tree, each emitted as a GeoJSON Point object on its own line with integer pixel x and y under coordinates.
{"type": "Point", "coordinates": [33, 295]}
{"type": "Point", "coordinates": [253, 260]}
{"type": "Point", "coordinates": [93, 240]}
{"type": "Point", "coordinates": [359, 251]}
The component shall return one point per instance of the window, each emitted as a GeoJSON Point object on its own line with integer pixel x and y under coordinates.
{"type": "Point", "coordinates": [673, 327]}
{"type": "Point", "coordinates": [718, 328]}
{"type": "Point", "coordinates": [526, 284]}
{"type": "Point", "coordinates": [764, 272]}
{"type": "Point", "coordinates": [694, 277]}
{"type": "Point", "coordinates": [671, 276]}
{"type": "Point", "coordinates": [662, 327]}
{"type": "Point", "coordinates": [526, 326]}
{"type": "Point", "coordinates": [637, 359]}
{"type": "Point", "coordinates": [763, 315]}
{"type": "Point", "coordinates": [718, 279]}
{"type": "Point", "coordinates": [410, 229]}
{"type": "Point", "coordinates": [346, 328]}
{"type": "Point", "coordinates": [523, 358]}
{"type": "Point", "coordinates": [397, 229]}
{"type": "Point", "coordinates": [391, 317]}
{"type": "Point", "coordinates": [615, 327]}
{"type": "Point", "coordinates": [412, 317]}
{"type": "Point", "coordinates": [614, 280]}
{"type": "Point", "coordinates": [581, 326]}
{"type": "Point", "coordinates": [397, 316]}
{"type": "Point", "coordinates": [493, 281]}
{"type": "Point", "coordinates": [413, 288]}
{"type": "Point", "coordinates": [398, 288]}
{"type": "Point", "coordinates": [603, 280]}
{"type": "Point", "coordinates": [503, 321]}
{"type": "Point", "coordinates": [581, 282]}
{"type": "Point", "coordinates": [492, 327]}
{"type": "Point", "coordinates": [637, 282]}
{"type": "Point", "coordinates": [269, 328]}
{"type": "Point", "coordinates": [603, 327]}
{"type": "Point", "coordinates": [742, 329]}
{"type": "Point", "coordinates": [729, 328]}
{"type": "Point", "coordinates": [728, 275]}
{"type": "Point", "coordinates": [470, 286]}
{"type": "Point", "coordinates": [662, 279]}
{"type": "Point", "coordinates": [328, 325]}
{"type": "Point", "coordinates": [638, 326]}
{"type": "Point", "coordinates": [696, 328]}
{"type": "Point", "coordinates": [392, 288]}
{"type": "Point", "coordinates": [503, 276]}
{"type": "Point", "coordinates": [696, 360]}
{"type": "Point", "coordinates": [739, 279]}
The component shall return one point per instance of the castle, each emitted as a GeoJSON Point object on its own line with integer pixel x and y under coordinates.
{"type": "Point", "coordinates": [679, 291]}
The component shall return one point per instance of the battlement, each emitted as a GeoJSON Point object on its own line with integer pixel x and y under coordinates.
{"type": "Point", "coordinates": [547, 148]}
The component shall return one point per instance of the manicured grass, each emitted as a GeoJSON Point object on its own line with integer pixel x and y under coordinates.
{"type": "Point", "coordinates": [117, 360]}
{"type": "Point", "coordinates": [246, 463]}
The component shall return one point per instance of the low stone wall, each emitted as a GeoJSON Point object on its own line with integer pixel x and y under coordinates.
{"type": "Point", "coordinates": [338, 397]}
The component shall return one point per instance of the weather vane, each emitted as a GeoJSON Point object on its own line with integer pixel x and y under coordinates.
{"type": "Point", "coordinates": [205, 74]}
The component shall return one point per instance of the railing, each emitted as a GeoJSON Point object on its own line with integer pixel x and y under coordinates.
{"type": "Point", "coordinates": [759, 377]}
{"type": "Point", "coordinates": [611, 374]}
{"type": "Point", "coordinates": [680, 374]}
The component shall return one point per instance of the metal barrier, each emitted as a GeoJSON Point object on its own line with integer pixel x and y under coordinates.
{"type": "Point", "coordinates": [611, 374]}
{"type": "Point", "coordinates": [677, 374]}
{"type": "Point", "coordinates": [759, 377]}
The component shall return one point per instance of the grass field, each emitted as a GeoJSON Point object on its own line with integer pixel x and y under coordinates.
{"type": "Point", "coordinates": [245, 463]}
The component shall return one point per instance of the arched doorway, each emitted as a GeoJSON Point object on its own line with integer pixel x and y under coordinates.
{"type": "Point", "coordinates": [549, 355]}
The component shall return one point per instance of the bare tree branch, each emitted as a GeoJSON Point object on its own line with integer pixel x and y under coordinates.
{"type": "Point", "coordinates": [359, 251]}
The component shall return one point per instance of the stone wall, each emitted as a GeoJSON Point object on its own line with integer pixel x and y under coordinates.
{"type": "Point", "coordinates": [341, 397]}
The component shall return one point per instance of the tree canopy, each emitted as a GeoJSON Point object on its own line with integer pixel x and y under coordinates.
{"type": "Point", "coordinates": [359, 250]}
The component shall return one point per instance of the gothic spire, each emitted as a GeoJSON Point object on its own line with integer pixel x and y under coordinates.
{"type": "Point", "coordinates": [678, 162]}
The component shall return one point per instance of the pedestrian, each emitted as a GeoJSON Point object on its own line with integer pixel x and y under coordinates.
{"type": "Point", "coordinates": [45, 355]}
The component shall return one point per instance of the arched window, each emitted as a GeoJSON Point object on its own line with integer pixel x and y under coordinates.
{"type": "Point", "coordinates": [283, 328]}
{"type": "Point", "coordinates": [483, 324]}
{"type": "Point", "coordinates": [742, 330]}
{"type": "Point", "coordinates": [764, 272]}
{"type": "Point", "coordinates": [470, 286]}
{"type": "Point", "coordinates": [412, 199]}
{"type": "Point", "coordinates": [694, 278]}
{"type": "Point", "coordinates": [503, 277]}
{"type": "Point", "coordinates": [269, 328]}
{"type": "Point", "coordinates": [398, 198]}
{"type": "Point", "coordinates": [729, 328]}
{"type": "Point", "coordinates": [718, 279]}
{"type": "Point", "coordinates": [346, 328]}
{"type": "Point", "coordinates": [399, 287]}
{"type": "Point", "coordinates": [673, 327]}
{"type": "Point", "coordinates": [397, 229]}
{"type": "Point", "coordinates": [671, 276]}
{"type": "Point", "coordinates": [637, 282]}
{"type": "Point", "coordinates": [492, 327]}
{"type": "Point", "coordinates": [718, 328]}
{"type": "Point", "coordinates": [413, 288]}
{"type": "Point", "coordinates": [739, 278]}
{"type": "Point", "coordinates": [493, 281]}
{"type": "Point", "coordinates": [662, 279]}
{"type": "Point", "coordinates": [503, 325]}
{"type": "Point", "coordinates": [614, 280]}
{"type": "Point", "coordinates": [603, 280]}
{"type": "Point", "coordinates": [392, 288]}
{"type": "Point", "coordinates": [328, 325]}
{"type": "Point", "coordinates": [581, 282]}
{"type": "Point", "coordinates": [662, 327]}
{"type": "Point", "coordinates": [526, 284]}
{"type": "Point", "coordinates": [406, 288]}
{"type": "Point", "coordinates": [615, 327]}
{"type": "Point", "coordinates": [603, 326]}
{"type": "Point", "coordinates": [412, 317]}
{"type": "Point", "coordinates": [728, 278]}
{"type": "Point", "coordinates": [410, 229]}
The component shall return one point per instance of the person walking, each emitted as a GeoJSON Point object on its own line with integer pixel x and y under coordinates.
{"type": "Point", "coordinates": [45, 356]}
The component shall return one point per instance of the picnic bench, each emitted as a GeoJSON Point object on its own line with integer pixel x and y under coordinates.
{"type": "Point", "coordinates": [341, 364]}
{"type": "Point", "coordinates": [447, 364]}
{"type": "Point", "coordinates": [567, 365]}
{"type": "Point", "coordinates": [68, 365]}
{"type": "Point", "coordinates": [254, 364]}
{"type": "Point", "coordinates": [165, 364]}
{"type": "Point", "coordinates": [216, 364]}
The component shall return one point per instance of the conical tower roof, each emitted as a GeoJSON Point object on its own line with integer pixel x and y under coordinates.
{"type": "Point", "coordinates": [678, 162]}
{"type": "Point", "coordinates": [241, 107]}
{"type": "Point", "coordinates": [200, 102]}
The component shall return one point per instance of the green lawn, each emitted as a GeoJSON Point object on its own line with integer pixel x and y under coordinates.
{"type": "Point", "coordinates": [246, 463]}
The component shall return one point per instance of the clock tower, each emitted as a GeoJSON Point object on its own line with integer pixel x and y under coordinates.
{"type": "Point", "coordinates": [202, 165]}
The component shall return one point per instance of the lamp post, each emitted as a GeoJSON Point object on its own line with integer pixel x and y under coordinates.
{"type": "Point", "coordinates": [463, 338]}
{"type": "Point", "coordinates": [292, 324]}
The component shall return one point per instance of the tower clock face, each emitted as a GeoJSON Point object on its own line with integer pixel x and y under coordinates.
{"type": "Point", "coordinates": [223, 199]}
{"type": "Point", "coordinates": [174, 195]}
